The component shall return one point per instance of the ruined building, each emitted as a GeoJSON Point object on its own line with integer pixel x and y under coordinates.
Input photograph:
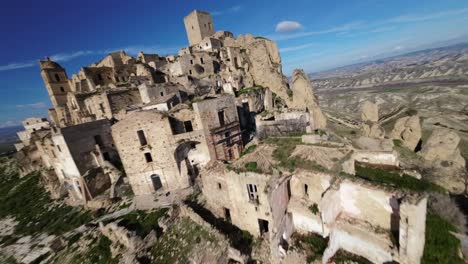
{"type": "Point", "coordinates": [185, 119]}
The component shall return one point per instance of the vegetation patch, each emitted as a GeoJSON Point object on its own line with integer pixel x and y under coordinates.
{"type": "Point", "coordinates": [176, 245]}
{"type": "Point", "coordinates": [342, 257]}
{"type": "Point", "coordinates": [253, 167]}
{"type": "Point", "coordinates": [312, 244]}
{"type": "Point", "coordinates": [99, 252]}
{"type": "Point", "coordinates": [248, 150]}
{"type": "Point", "coordinates": [391, 178]}
{"type": "Point", "coordinates": [27, 201]}
{"type": "Point", "coordinates": [142, 222]}
{"type": "Point", "coordinates": [238, 238]}
{"type": "Point", "coordinates": [441, 246]}
{"type": "Point", "coordinates": [283, 154]}
{"type": "Point", "coordinates": [248, 90]}
{"type": "Point", "coordinates": [314, 208]}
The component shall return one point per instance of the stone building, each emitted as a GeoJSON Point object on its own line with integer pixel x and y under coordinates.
{"type": "Point", "coordinates": [79, 155]}
{"type": "Point", "coordinates": [380, 223]}
{"type": "Point", "coordinates": [30, 125]}
{"type": "Point", "coordinates": [165, 149]}
{"type": "Point", "coordinates": [198, 25]}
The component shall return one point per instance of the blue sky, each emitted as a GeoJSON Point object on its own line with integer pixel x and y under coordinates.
{"type": "Point", "coordinates": [314, 35]}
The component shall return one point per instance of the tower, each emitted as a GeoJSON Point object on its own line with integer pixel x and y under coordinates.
{"type": "Point", "coordinates": [56, 82]}
{"type": "Point", "coordinates": [198, 24]}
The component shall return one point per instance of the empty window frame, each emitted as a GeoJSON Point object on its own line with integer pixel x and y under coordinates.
{"type": "Point", "coordinates": [188, 126]}
{"type": "Point", "coordinates": [252, 191]}
{"type": "Point", "coordinates": [221, 118]}
{"type": "Point", "coordinates": [148, 157]}
{"type": "Point", "coordinates": [142, 137]}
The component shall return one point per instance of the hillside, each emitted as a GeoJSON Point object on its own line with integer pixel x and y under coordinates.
{"type": "Point", "coordinates": [432, 82]}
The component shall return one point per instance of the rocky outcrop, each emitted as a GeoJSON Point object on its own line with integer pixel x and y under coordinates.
{"type": "Point", "coordinates": [441, 149]}
{"type": "Point", "coordinates": [408, 130]}
{"type": "Point", "coordinates": [265, 66]}
{"type": "Point", "coordinates": [441, 153]}
{"type": "Point", "coordinates": [369, 112]}
{"type": "Point", "coordinates": [372, 130]}
{"type": "Point", "coordinates": [305, 99]}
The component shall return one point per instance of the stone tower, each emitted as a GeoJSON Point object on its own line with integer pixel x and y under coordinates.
{"type": "Point", "coordinates": [198, 24]}
{"type": "Point", "coordinates": [56, 81]}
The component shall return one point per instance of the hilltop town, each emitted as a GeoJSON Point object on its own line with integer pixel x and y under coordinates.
{"type": "Point", "coordinates": [214, 156]}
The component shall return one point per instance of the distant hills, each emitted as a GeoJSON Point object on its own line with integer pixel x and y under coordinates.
{"type": "Point", "coordinates": [8, 138]}
{"type": "Point", "coordinates": [446, 63]}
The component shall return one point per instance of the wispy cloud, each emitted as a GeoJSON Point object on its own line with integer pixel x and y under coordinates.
{"type": "Point", "coordinates": [10, 123]}
{"type": "Point", "coordinates": [17, 65]}
{"type": "Point", "coordinates": [342, 28]}
{"type": "Point", "coordinates": [425, 17]}
{"type": "Point", "coordinates": [133, 50]}
{"type": "Point", "coordinates": [382, 29]}
{"type": "Point", "coordinates": [231, 9]}
{"type": "Point", "coordinates": [63, 57]}
{"type": "Point", "coordinates": [69, 56]}
{"type": "Point", "coordinates": [288, 26]}
{"type": "Point", "coordinates": [299, 47]}
{"type": "Point", "coordinates": [33, 105]}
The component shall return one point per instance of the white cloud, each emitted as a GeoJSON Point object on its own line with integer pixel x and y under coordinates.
{"type": "Point", "coordinates": [342, 28]}
{"type": "Point", "coordinates": [398, 48]}
{"type": "Point", "coordinates": [33, 105]}
{"type": "Point", "coordinates": [17, 65]}
{"type": "Point", "coordinates": [299, 47]}
{"type": "Point", "coordinates": [288, 26]}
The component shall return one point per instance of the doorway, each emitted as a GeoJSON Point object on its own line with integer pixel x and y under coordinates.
{"type": "Point", "coordinates": [263, 225]}
{"type": "Point", "coordinates": [227, 215]}
{"type": "Point", "coordinates": [156, 180]}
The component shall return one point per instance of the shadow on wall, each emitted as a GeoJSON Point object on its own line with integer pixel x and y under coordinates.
{"type": "Point", "coordinates": [239, 239]}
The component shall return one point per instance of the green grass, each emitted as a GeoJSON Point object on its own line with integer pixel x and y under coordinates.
{"type": "Point", "coordinates": [98, 253]}
{"type": "Point", "coordinates": [441, 246]}
{"type": "Point", "coordinates": [143, 222]}
{"type": "Point", "coordinates": [397, 143]}
{"type": "Point", "coordinates": [27, 201]}
{"type": "Point", "coordinates": [313, 245]}
{"type": "Point", "coordinates": [247, 90]}
{"type": "Point", "coordinates": [284, 150]}
{"type": "Point", "coordinates": [176, 245]}
{"type": "Point", "coordinates": [253, 167]}
{"type": "Point", "coordinates": [249, 150]}
{"type": "Point", "coordinates": [393, 179]}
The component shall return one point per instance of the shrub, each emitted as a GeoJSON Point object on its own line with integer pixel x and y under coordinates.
{"type": "Point", "coordinates": [314, 245]}
{"type": "Point", "coordinates": [314, 208]}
